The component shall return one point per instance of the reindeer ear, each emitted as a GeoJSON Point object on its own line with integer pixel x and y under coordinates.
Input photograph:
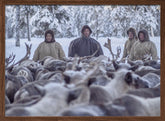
{"type": "Point", "coordinates": [110, 75]}
{"type": "Point", "coordinates": [128, 78]}
{"type": "Point", "coordinates": [91, 81]}
{"type": "Point", "coordinates": [133, 68]}
{"type": "Point", "coordinates": [67, 79]}
{"type": "Point", "coordinates": [40, 89]}
{"type": "Point", "coordinates": [73, 94]}
{"type": "Point", "coordinates": [41, 62]}
{"type": "Point", "coordinates": [116, 66]}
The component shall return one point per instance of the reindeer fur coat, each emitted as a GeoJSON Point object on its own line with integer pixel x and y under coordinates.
{"type": "Point", "coordinates": [140, 49]}
{"type": "Point", "coordinates": [84, 46]}
{"type": "Point", "coordinates": [53, 49]}
{"type": "Point", "coordinates": [127, 47]}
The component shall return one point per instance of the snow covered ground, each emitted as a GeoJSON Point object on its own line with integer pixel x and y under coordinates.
{"type": "Point", "coordinates": [20, 51]}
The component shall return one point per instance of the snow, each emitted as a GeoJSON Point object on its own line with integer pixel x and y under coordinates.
{"type": "Point", "coordinates": [67, 20]}
{"type": "Point", "coordinates": [21, 51]}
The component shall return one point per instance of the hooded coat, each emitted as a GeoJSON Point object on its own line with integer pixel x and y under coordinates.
{"type": "Point", "coordinates": [129, 43]}
{"type": "Point", "coordinates": [127, 47]}
{"type": "Point", "coordinates": [84, 46]}
{"type": "Point", "coordinates": [46, 48]}
{"type": "Point", "coordinates": [142, 48]}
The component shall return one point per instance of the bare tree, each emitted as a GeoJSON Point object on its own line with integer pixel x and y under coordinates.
{"type": "Point", "coordinates": [17, 26]}
{"type": "Point", "coordinates": [27, 7]}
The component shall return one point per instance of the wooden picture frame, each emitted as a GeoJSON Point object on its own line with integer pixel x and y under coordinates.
{"type": "Point", "coordinates": [79, 2]}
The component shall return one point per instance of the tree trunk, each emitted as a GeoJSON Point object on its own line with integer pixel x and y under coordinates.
{"type": "Point", "coordinates": [28, 26]}
{"type": "Point", "coordinates": [17, 44]}
{"type": "Point", "coordinates": [96, 27]}
{"type": "Point", "coordinates": [152, 32]}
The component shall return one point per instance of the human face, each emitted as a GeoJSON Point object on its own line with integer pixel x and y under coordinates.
{"type": "Point", "coordinates": [141, 37]}
{"type": "Point", "coordinates": [130, 35]}
{"type": "Point", "coordinates": [49, 37]}
{"type": "Point", "coordinates": [86, 32]}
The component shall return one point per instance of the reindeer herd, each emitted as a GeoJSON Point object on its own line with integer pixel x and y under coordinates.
{"type": "Point", "coordinates": [81, 86]}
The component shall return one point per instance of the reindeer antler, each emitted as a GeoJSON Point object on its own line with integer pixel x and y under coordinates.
{"type": "Point", "coordinates": [147, 57]}
{"type": "Point", "coordinates": [118, 51]}
{"type": "Point", "coordinates": [109, 47]}
{"type": "Point", "coordinates": [90, 56]}
{"type": "Point", "coordinates": [28, 49]}
{"type": "Point", "coordinates": [9, 60]}
{"type": "Point", "coordinates": [77, 60]}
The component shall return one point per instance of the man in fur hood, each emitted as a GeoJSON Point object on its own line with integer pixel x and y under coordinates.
{"type": "Point", "coordinates": [85, 45]}
{"type": "Point", "coordinates": [143, 48]}
{"type": "Point", "coordinates": [49, 48]}
{"type": "Point", "coordinates": [132, 38]}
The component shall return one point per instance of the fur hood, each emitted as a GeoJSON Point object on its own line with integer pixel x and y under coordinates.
{"type": "Point", "coordinates": [86, 27]}
{"type": "Point", "coordinates": [133, 32]}
{"type": "Point", "coordinates": [146, 36]}
{"type": "Point", "coordinates": [49, 32]}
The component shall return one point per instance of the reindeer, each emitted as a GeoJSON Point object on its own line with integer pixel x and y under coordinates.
{"type": "Point", "coordinates": [15, 78]}
{"type": "Point", "coordinates": [123, 81]}
{"type": "Point", "coordinates": [82, 86]}
{"type": "Point", "coordinates": [127, 105]}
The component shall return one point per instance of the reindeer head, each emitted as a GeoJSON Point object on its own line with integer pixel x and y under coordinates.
{"type": "Point", "coordinates": [135, 80]}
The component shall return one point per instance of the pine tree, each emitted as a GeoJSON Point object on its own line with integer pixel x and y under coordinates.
{"type": "Point", "coordinates": [67, 21]}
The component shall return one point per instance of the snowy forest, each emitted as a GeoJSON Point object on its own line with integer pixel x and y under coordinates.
{"type": "Point", "coordinates": [28, 24]}
{"type": "Point", "coordinates": [24, 21]}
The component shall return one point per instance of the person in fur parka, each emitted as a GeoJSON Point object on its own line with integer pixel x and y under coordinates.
{"type": "Point", "coordinates": [48, 48]}
{"type": "Point", "coordinates": [85, 45]}
{"type": "Point", "coordinates": [131, 40]}
{"type": "Point", "coordinates": [143, 48]}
